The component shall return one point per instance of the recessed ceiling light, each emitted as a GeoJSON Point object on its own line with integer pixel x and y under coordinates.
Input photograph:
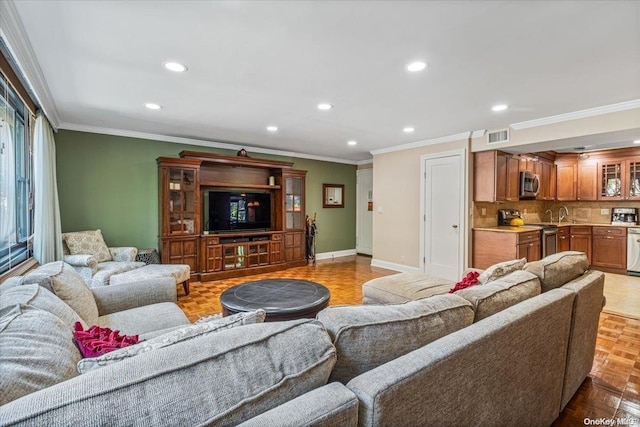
{"type": "Point", "coordinates": [637, 141]}
{"type": "Point", "coordinates": [175, 66]}
{"type": "Point", "coordinates": [500, 107]}
{"type": "Point", "coordinates": [416, 66]}
{"type": "Point", "coordinates": [408, 129]}
{"type": "Point", "coordinates": [272, 128]}
{"type": "Point", "coordinates": [152, 106]}
{"type": "Point", "coordinates": [352, 142]}
{"type": "Point", "coordinates": [325, 106]}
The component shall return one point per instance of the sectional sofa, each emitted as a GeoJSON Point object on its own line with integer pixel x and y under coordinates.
{"type": "Point", "coordinates": [512, 351]}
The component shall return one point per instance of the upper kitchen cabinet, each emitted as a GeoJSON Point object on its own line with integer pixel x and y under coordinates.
{"type": "Point", "coordinates": [587, 180]}
{"type": "Point", "coordinates": [496, 176]}
{"type": "Point", "coordinates": [619, 179]}
{"type": "Point", "coordinates": [566, 178]}
{"type": "Point", "coordinates": [631, 186]}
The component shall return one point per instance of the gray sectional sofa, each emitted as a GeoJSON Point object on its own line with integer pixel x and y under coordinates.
{"type": "Point", "coordinates": [511, 351]}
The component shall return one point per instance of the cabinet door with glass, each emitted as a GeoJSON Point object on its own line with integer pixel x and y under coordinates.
{"type": "Point", "coordinates": [631, 185]}
{"type": "Point", "coordinates": [179, 199]}
{"type": "Point", "coordinates": [611, 180]}
{"type": "Point", "coordinates": [294, 200]}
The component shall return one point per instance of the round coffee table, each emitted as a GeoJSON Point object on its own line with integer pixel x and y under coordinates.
{"type": "Point", "coordinates": [282, 299]}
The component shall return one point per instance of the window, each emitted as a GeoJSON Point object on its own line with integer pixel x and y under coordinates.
{"type": "Point", "coordinates": [16, 179]}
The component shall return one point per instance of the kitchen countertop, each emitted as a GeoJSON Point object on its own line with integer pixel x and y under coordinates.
{"type": "Point", "coordinates": [525, 228]}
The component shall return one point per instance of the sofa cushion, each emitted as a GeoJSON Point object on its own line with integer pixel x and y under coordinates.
{"type": "Point", "coordinates": [368, 336]}
{"type": "Point", "coordinates": [215, 379]}
{"type": "Point", "coordinates": [171, 338]}
{"type": "Point", "coordinates": [88, 242]}
{"type": "Point", "coordinates": [557, 269]}
{"type": "Point", "coordinates": [36, 351]}
{"type": "Point", "coordinates": [61, 279]}
{"type": "Point", "coordinates": [39, 297]}
{"type": "Point", "coordinates": [500, 269]}
{"type": "Point", "coordinates": [501, 293]}
{"type": "Point", "coordinates": [145, 319]}
{"type": "Point", "coordinates": [403, 287]}
{"type": "Point", "coordinates": [105, 270]}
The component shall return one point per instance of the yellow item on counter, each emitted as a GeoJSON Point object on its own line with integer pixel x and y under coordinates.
{"type": "Point", "coordinates": [516, 222]}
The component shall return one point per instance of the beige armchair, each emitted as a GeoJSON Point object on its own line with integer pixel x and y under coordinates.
{"type": "Point", "coordinates": [88, 254]}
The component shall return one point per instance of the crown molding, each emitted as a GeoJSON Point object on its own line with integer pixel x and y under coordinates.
{"type": "Point", "coordinates": [17, 40]}
{"type": "Point", "coordinates": [199, 142]}
{"type": "Point", "coordinates": [478, 133]}
{"type": "Point", "coordinates": [423, 143]}
{"type": "Point", "coordinates": [365, 162]}
{"type": "Point", "coordinates": [613, 108]}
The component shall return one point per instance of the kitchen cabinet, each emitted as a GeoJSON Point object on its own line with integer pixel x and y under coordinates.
{"type": "Point", "coordinates": [566, 179]}
{"type": "Point", "coordinates": [546, 170]}
{"type": "Point", "coordinates": [581, 239]}
{"type": "Point", "coordinates": [631, 185]}
{"type": "Point", "coordinates": [587, 180]}
{"type": "Point", "coordinates": [564, 239]}
{"type": "Point", "coordinates": [491, 247]}
{"type": "Point", "coordinates": [496, 176]}
{"type": "Point", "coordinates": [619, 179]}
{"type": "Point", "coordinates": [610, 248]}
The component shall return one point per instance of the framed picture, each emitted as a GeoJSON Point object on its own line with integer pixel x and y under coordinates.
{"type": "Point", "coordinates": [333, 195]}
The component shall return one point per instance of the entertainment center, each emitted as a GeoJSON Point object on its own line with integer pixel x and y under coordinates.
{"type": "Point", "coordinates": [230, 216]}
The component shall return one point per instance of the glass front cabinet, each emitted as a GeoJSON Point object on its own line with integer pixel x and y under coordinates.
{"type": "Point", "coordinates": [294, 214]}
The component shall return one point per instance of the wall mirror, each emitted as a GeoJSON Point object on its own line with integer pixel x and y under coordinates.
{"type": "Point", "coordinates": [333, 195]}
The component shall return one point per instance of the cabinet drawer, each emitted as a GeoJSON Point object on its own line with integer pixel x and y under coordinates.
{"type": "Point", "coordinates": [213, 241]}
{"type": "Point", "coordinates": [276, 236]}
{"type": "Point", "coordinates": [529, 236]}
{"type": "Point", "coordinates": [609, 231]}
{"type": "Point", "coordinates": [580, 229]}
{"type": "Point", "coordinates": [563, 231]}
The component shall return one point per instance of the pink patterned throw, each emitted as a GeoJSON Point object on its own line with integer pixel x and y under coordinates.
{"type": "Point", "coordinates": [469, 280]}
{"type": "Point", "coordinates": [97, 340]}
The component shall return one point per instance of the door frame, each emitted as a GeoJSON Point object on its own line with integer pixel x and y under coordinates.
{"type": "Point", "coordinates": [360, 208]}
{"type": "Point", "coordinates": [464, 205]}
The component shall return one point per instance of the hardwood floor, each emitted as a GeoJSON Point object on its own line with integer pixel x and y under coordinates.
{"type": "Point", "coordinates": [611, 391]}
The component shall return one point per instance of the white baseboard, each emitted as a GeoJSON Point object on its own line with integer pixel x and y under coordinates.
{"type": "Point", "coordinates": [336, 254]}
{"type": "Point", "coordinates": [393, 266]}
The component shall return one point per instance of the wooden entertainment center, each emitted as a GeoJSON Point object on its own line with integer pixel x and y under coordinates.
{"type": "Point", "coordinates": [184, 233]}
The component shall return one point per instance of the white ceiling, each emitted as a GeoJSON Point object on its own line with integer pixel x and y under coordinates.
{"type": "Point", "coordinates": [256, 63]}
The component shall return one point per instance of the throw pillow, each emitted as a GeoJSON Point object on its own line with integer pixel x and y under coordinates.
{"type": "Point", "coordinates": [171, 338]}
{"type": "Point", "coordinates": [61, 279]}
{"type": "Point", "coordinates": [88, 242]}
{"type": "Point", "coordinates": [470, 279]}
{"type": "Point", "coordinates": [96, 340]}
{"type": "Point", "coordinates": [501, 269]}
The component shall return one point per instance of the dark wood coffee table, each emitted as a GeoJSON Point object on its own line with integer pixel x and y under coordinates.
{"type": "Point", "coordinates": [282, 299]}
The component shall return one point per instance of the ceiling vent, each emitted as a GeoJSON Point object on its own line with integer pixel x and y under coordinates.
{"type": "Point", "coordinates": [497, 136]}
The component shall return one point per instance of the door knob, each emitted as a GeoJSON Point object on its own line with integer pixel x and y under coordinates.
{"type": "Point", "coordinates": [455, 225]}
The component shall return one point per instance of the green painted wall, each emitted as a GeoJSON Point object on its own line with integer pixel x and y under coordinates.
{"type": "Point", "coordinates": [111, 183]}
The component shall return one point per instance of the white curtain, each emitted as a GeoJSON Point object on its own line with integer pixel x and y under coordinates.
{"type": "Point", "coordinates": [7, 184]}
{"type": "Point", "coordinates": [47, 240]}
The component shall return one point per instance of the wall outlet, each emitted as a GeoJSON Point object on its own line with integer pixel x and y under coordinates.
{"type": "Point", "coordinates": [524, 211]}
{"type": "Point", "coordinates": [483, 211]}
{"type": "Point", "coordinates": [402, 259]}
{"type": "Point", "coordinates": [379, 209]}
{"type": "Point", "coordinates": [604, 212]}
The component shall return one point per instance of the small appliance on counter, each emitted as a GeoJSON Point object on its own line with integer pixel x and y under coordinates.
{"type": "Point", "coordinates": [624, 216]}
{"type": "Point", "coordinates": [505, 216]}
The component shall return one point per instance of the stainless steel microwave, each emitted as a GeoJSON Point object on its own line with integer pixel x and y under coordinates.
{"type": "Point", "coordinates": [529, 185]}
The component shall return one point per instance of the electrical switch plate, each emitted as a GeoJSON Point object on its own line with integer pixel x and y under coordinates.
{"type": "Point", "coordinates": [483, 211]}
{"type": "Point", "coordinates": [604, 211]}
{"type": "Point", "coordinates": [379, 209]}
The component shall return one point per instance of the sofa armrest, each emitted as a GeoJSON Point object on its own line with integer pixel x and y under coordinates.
{"type": "Point", "coordinates": [81, 261]}
{"type": "Point", "coordinates": [124, 253]}
{"type": "Point", "coordinates": [111, 299]}
{"type": "Point", "coordinates": [330, 405]}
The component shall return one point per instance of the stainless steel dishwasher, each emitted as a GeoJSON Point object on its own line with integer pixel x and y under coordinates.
{"type": "Point", "coordinates": [549, 236]}
{"type": "Point", "coordinates": [633, 251]}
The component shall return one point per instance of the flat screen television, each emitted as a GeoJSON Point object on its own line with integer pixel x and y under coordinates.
{"type": "Point", "coordinates": [237, 210]}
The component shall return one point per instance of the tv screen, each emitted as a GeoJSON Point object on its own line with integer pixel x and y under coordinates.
{"type": "Point", "coordinates": [236, 210]}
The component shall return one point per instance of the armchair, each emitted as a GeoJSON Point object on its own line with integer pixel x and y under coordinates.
{"type": "Point", "coordinates": [89, 255]}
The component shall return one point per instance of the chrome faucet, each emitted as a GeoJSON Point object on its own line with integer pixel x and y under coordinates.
{"type": "Point", "coordinates": [550, 212]}
{"type": "Point", "coordinates": [560, 216]}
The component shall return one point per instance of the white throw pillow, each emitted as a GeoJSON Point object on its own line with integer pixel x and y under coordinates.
{"type": "Point", "coordinates": [171, 338]}
{"type": "Point", "coordinates": [88, 242]}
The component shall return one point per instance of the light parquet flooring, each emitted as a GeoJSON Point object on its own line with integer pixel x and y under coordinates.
{"type": "Point", "coordinates": [611, 391]}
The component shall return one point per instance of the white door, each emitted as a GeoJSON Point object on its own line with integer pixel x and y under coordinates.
{"type": "Point", "coordinates": [443, 207]}
{"type": "Point", "coordinates": [364, 217]}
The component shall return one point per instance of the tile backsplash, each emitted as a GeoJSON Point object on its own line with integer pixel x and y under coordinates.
{"type": "Point", "coordinates": [533, 211]}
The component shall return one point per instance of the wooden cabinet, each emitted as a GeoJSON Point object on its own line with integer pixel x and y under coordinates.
{"type": "Point", "coordinates": [184, 238]}
{"type": "Point", "coordinates": [491, 247]}
{"type": "Point", "coordinates": [581, 239]}
{"type": "Point", "coordinates": [610, 248]}
{"type": "Point", "coordinates": [631, 185]}
{"type": "Point", "coordinates": [619, 179]}
{"type": "Point", "coordinates": [496, 176]}
{"type": "Point", "coordinates": [566, 179]}
{"type": "Point", "coordinates": [564, 239]}
{"type": "Point", "coordinates": [587, 180]}
{"type": "Point", "coordinates": [546, 170]}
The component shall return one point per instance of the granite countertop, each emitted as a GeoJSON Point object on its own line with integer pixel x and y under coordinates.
{"type": "Point", "coordinates": [526, 227]}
